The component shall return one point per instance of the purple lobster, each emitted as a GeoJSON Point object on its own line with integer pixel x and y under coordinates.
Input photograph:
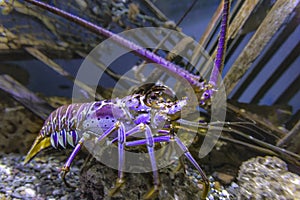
{"type": "Point", "coordinates": [154, 113]}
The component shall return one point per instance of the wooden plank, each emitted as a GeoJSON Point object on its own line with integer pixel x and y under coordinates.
{"type": "Point", "coordinates": [238, 21]}
{"type": "Point", "coordinates": [27, 98]}
{"type": "Point", "coordinates": [280, 12]}
{"type": "Point", "coordinates": [290, 92]}
{"type": "Point", "coordinates": [245, 7]}
{"type": "Point", "coordinates": [215, 20]}
{"type": "Point", "coordinates": [11, 41]}
{"type": "Point", "coordinates": [9, 54]}
{"type": "Point", "coordinates": [206, 35]}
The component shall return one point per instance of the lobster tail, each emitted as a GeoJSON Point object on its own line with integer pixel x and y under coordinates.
{"type": "Point", "coordinates": [39, 144]}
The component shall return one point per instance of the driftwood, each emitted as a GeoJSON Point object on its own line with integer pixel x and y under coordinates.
{"type": "Point", "coordinates": [20, 93]}
{"type": "Point", "coordinates": [277, 16]}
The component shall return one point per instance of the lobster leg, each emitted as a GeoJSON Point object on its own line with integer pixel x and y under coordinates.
{"type": "Point", "coordinates": [66, 168]}
{"type": "Point", "coordinates": [189, 156]}
{"type": "Point", "coordinates": [150, 146]}
{"type": "Point", "coordinates": [150, 142]}
{"type": "Point", "coordinates": [121, 152]}
{"type": "Point", "coordinates": [186, 152]}
{"type": "Point", "coordinates": [133, 131]}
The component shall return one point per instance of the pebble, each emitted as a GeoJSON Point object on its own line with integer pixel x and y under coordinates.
{"type": "Point", "coordinates": [57, 192]}
{"type": "Point", "coordinates": [223, 177]}
{"type": "Point", "coordinates": [217, 191]}
{"type": "Point", "coordinates": [37, 180]}
{"type": "Point", "coordinates": [30, 192]}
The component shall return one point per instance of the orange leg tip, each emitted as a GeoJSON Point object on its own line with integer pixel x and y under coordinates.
{"type": "Point", "coordinates": [119, 183]}
{"type": "Point", "coordinates": [65, 169]}
{"type": "Point", "coordinates": [152, 193]}
{"type": "Point", "coordinates": [205, 191]}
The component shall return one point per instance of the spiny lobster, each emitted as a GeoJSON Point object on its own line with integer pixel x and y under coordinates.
{"type": "Point", "coordinates": [153, 112]}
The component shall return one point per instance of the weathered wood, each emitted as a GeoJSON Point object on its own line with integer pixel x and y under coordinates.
{"type": "Point", "coordinates": [155, 10]}
{"type": "Point", "coordinates": [241, 17]}
{"type": "Point", "coordinates": [49, 62]}
{"type": "Point", "coordinates": [292, 139]}
{"type": "Point", "coordinates": [10, 40]}
{"type": "Point", "coordinates": [289, 93]}
{"type": "Point", "coordinates": [279, 13]}
{"type": "Point", "coordinates": [284, 65]}
{"type": "Point", "coordinates": [273, 48]}
{"type": "Point", "coordinates": [27, 98]}
{"type": "Point", "coordinates": [21, 55]}
{"type": "Point", "coordinates": [239, 20]}
{"type": "Point", "coordinates": [211, 26]}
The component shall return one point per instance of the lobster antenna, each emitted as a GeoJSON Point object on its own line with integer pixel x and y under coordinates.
{"type": "Point", "coordinates": [221, 50]}
{"type": "Point", "coordinates": [138, 50]}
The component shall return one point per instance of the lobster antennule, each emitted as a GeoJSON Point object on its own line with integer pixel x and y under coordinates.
{"type": "Point", "coordinates": [39, 144]}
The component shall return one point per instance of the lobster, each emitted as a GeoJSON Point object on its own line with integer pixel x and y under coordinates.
{"type": "Point", "coordinates": [153, 112]}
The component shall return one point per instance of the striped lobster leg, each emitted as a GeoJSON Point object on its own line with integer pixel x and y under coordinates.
{"type": "Point", "coordinates": [150, 143]}
{"type": "Point", "coordinates": [184, 150]}
{"type": "Point", "coordinates": [66, 167]}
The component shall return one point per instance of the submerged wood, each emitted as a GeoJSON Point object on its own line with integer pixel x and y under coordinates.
{"type": "Point", "coordinates": [27, 98]}
{"type": "Point", "coordinates": [292, 139]}
{"type": "Point", "coordinates": [53, 65]}
{"type": "Point", "coordinates": [280, 12]}
{"type": "Point", "coordinates": [241, 17]}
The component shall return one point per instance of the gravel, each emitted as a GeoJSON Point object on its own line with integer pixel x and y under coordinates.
{"type": "Point", "coordinates": [38, 180]}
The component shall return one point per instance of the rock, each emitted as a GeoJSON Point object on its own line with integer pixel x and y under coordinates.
{"type": "Point", "coordinates": [223, 177]}
{"type": "Point", "coordinates": [267, 178]}
{"type": "Point", "coordinates": [97, 180]}
{"type": "Point", "coordinates": [30, 192]}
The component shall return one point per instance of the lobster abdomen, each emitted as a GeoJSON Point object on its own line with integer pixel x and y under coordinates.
{"type": "Point", "coordinates": [62, 124]}
{"type": "Point", "coordinates": [60, 129]}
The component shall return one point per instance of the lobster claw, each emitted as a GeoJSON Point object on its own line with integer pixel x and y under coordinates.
{"type": "Point", "coordinates": [39, 144]}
